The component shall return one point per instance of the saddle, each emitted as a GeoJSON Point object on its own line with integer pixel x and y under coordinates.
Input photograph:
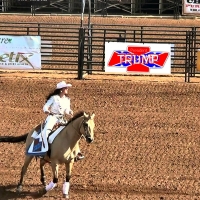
{"type": "Point", "coordinates": [41, 127]}
{"type": "Point", "coordinates": [40, 145]}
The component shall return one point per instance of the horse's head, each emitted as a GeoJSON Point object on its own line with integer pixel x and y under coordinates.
{"type": "Point", "coordinates": [88, 125]}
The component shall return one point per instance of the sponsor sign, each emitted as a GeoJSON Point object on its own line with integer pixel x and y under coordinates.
{"type": "Point", "coordinates": [20, 52]}
{"type": "Point", "coordinates": [137, 58]}
{"type": "Point", "coordinates": [191, 7]}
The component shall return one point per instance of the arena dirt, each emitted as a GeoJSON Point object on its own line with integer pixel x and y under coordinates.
{"type": "Point", "coordinates": [146, 137]}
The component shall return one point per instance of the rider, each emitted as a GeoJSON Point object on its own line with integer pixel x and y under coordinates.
{"type": "Point", "coordinates": [58, 104]}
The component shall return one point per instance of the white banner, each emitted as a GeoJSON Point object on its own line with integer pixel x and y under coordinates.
{"type": "Point", "coordinates": [191, 7]}
{"type": "Point", "coordinates": [138, 58]}
{"type": "Point", "coordinates": [20, 52]}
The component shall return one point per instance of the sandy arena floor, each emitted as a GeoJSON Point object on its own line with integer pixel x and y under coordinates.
{"type": "Point", "coordinates": [146, 138]}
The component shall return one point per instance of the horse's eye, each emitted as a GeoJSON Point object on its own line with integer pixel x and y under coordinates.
{"type": "Point", "coordinates": [86, 125]}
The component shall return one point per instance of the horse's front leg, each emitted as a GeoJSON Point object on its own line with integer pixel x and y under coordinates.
{"type": "Point", "coordinates": [68, 176]}
{"type": "Point", "coordinates": [53, 183]}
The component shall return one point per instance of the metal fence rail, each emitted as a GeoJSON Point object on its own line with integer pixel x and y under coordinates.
{"type": "Point", "coordinates": [144, 34]}
{"type": "Point", "coordinates": [98, 7]}
{"type": "Point", "coordinates": [65, 47]}
{"type": "Point", "coordinates": [59, 42]}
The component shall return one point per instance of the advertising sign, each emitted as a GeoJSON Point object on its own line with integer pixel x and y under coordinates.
{"type": "Point", "coordinates": [138, 58]}
{"type": "Point", "coordinates": [191, 7]}
{"type": "Point", "coordinates": [20, 52]}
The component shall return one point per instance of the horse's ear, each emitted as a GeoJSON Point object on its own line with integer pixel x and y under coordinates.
{"type": "Point", "coordinates": [85, 115]}
{"type": "Point", "coordinates": [92, 116]}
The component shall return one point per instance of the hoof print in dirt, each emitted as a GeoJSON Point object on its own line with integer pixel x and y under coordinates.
{"type": "Point", "coordinates": [19, 189]}
{"type": "Point", "coordinates": [40, 193]}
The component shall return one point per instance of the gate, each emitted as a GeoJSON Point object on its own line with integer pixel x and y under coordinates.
{"type": "Point", "coordinates": [184, 42]}
{"type": "Point", "coordinates": [190, 57]}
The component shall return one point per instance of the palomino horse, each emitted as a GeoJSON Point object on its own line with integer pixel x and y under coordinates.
{"type": "Point", "coordinates": [63, 150]}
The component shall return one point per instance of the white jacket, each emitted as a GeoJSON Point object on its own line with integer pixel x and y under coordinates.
{"type": "Point", "coordinates": [57, 105]}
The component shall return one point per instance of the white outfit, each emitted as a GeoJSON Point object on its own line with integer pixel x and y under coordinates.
{"type": "Point", "coordinates": [57, 107]}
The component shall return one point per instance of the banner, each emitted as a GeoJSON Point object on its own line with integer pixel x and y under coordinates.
{"type": "Point", "coordinates": [20, 52]}
{"type": "Point", "coordinates": [138, 58]}
{"type": "Point", "coordinates": [191, 7]}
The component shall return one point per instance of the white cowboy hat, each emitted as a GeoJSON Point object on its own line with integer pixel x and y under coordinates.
{"type": "Point", "coordinates": [62, 84]}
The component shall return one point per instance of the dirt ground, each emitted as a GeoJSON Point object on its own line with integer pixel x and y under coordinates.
{"type": "Point", "coordinates": [147, 143]}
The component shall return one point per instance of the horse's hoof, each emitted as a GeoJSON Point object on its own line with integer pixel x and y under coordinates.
{"type": "Point", "coordinates": [44, 183]}
{"type": "Point", "coordinates": [19, 189]}
{"type": "Point", "coordinates": [66, 196]}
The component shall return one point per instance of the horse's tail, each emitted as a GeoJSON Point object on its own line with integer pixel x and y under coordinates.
{"type": "Point", "coordinates": [13, 139]}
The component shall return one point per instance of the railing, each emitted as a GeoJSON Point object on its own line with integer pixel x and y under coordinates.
{"type": "Point", "coordinates": [62, 53]}
{"type": "Point", "coordinates": [67, 47]}
{"type": "Point", "coordinates": [98, 7]}
{"type": "Point", "coordinates": [185, 42]}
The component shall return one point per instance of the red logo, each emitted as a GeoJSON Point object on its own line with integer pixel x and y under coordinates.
{"type": "Point", "coordinates": [138, 59]}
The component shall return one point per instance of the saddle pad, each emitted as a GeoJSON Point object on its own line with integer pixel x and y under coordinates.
{"type": "Point", "coordinates": [54, 134]}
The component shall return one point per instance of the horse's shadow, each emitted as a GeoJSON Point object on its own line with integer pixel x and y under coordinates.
{"type": "Point", "coordinates": [9, 193]}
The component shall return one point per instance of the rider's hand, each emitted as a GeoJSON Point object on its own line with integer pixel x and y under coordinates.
{"type": "Point", "coordinates": [71, 112]}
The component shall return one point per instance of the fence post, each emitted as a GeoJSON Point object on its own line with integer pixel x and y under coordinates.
{"type": "Point", "coordinates": [89, 53]}
{"type": "Point", "coordinates": [38, 29]}
{"type": "Point", "coordinates": [134, 36]}
{"type": "Point", "coordinates": [81, 52]}
{"type": "Point", "coordinates": [188, 56]}
{"type": "Point", "coordinates": [193, 44]}
{"type": "Point", "coordinates": [104, 40]}
{"type": "Point", "coordinates": [176, 9]}
{"type": "Point", "coordinates": [141, 34]}
{"type": "Point", "coordinates": [27, 30]}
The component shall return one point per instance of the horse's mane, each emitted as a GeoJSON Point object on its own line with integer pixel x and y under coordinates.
{"type": "Point", "coordinates": [77, 115]}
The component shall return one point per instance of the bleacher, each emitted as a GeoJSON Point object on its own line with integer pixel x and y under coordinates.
{"type": "Point", "coordinates": [99, 7]}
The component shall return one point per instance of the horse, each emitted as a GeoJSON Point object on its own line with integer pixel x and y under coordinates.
{"type": "Point", "coordinates": [63, 149]}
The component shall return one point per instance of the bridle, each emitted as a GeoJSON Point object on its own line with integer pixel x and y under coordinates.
{"type": "Point", "coordinates": [86, 133]}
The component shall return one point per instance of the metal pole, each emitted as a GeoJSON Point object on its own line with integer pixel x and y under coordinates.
{"type": "Point", "coordinates": [141, 34]}
{"type": "Point", "coordinates": [82, 12]}
{"type": "Point", "coordinates": [81, 53]}
{"type": "Point", "coordinates": [89, 53]}
{"type": "Point", "coordinates": [89, 14]}
{"type": "Point", "coordinates": [104, 40]}
{"type": "Point", "coordinates": [193, 51]}
{"type": "Point", "coordinates": [176, 9]}
{"type": "Point", "coordinates": [160, 7]}
{"type": "Point", "coordinates": [186, 56]}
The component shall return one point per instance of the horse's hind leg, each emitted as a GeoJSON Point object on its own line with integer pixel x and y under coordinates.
{"type": "Point", "coordinates": [42, 178]}
{"type": "Point", "coordinates": [23, 171]}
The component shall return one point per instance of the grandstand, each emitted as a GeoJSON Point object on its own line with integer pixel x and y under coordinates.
{"type": "Point", "coordinates": [99, 7]}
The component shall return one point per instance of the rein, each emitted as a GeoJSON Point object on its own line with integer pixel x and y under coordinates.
{"type": "Point", "coordinates": [79, 132]}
